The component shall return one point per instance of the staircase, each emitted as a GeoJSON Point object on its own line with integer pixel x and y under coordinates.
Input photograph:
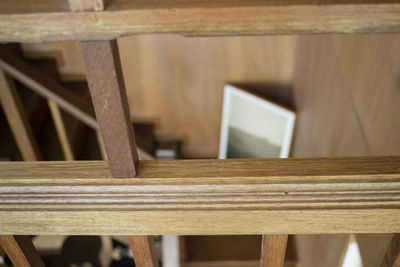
{"type": "Point", "coordinates": [38, 82]}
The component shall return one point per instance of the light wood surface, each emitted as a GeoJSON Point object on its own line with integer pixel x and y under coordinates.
{"type": "Point", "coordinates": [107, 89]}
{"type": "Point", "coordinates": [61, 132]}
{"type": "Point", "coordinates": [273, 250]}
{"type": "Point", "coordinates": [143, 251]}
{"type": "Point", "coordinates": [273, 196]}
{"type": "Point", "coordinates": [86, 5]}
{"type": "Point", "coordinates": [22, 21]}
{"type": "Point", "coordinates": [16, 117]}
{"type": "Point", "coordinates": [21, 251]}
{"type": "Point", "coordinates": [392, 256]}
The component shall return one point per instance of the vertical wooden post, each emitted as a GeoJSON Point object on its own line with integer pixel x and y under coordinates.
{"type": "Point", "coordinates": [21, 251]}
{"type": "Point", "coordinates": [107, 89]}
{"type": "Point", "coordinates": [17, 119]}
{"type": "Point", "coordinates": [273, 250]}
{"type": "Point", "coordinates": [392, 256]}
{"type": "Point", "coordinates": [143, 251]}
{"type": "Point", "coordinates": [60, 128]}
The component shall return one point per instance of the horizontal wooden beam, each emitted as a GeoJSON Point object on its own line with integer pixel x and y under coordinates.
{"type": "Point", "coordinates": [48, 21]}
{"type": "Point", "coordinates": [243, 196]}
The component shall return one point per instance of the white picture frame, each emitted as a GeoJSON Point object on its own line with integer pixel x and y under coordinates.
{"type": "Point", "coordinates": [253, 127]}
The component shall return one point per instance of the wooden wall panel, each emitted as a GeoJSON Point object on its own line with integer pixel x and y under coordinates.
{"type": "Point", "coordinates": [347, 99]}
{"type": "Point", "coordinates": [326, 125]}
{"type": "Point", "coordinates": [370, 65]}
{"type": "Point", "coordinates": [180, 80]}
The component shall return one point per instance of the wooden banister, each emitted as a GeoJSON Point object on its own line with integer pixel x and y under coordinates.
{"type": "Point", "coordinates": [21, 251]}
{"type": "Point", "coordinates": [48, 88]}
{"type": "Point", "coordinates": [273, 250]}
{"type": "Point", "coordinates": [17, 119]}
{"type": "Point", "coordinates": [61, 132]}
{"type": "Point", "coordinates": [54, 91]}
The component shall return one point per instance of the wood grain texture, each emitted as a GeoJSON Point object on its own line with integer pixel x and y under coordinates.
{"type": "Point", "coordinates": [143, 251]}
{"type": "Point", "coordinates": [86, 5]}
{"type": "Point", "coordinates": [370, 69]}
{"type": "Point", "coordinates": [392, 257]}
{"type": "Point", "coordinates": [16, 117]}
{"type": "Point", "coordinates": [21, 251]}
{"type": "Point", "coordinates": [60, 128]}
{"type": "Point", "coordinates": [273, 250]}
{"type": "Point", "coordinates": [22, 22]}
{"type": "Point", "coordinates": [273, 196]}
{"type": "Point", "coordinates": [107, 89]}
{"type": "Point", "coordinates": [106, 84]}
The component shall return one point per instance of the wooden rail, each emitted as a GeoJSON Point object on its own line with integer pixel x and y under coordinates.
{"type": "Point", "coordinates": [258, 196]}
{"type": "Point", "coordinates": [43, 20]}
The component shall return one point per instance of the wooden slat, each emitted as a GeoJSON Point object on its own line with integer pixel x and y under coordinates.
{"type": "Point", "coordinates": [107, 88]}
{"type": "Point", "coordinates": [22, 22]}
{"type": "Point", "coordinates": [242, 196]}
{"type": "Point", "coordinates": [273, 250]}
{"type": "Point", "coordinates": [61, 132]}
{"type": "Point", "coordinates": [17, 119]}
{"type": "Point", "coordinates": [143, 251]}
{"type": "Point", "coordinates": [86, 5]}
{"type": "Point", "coordinates": [21, 251]}
{"type": "Point", "coordinates": [392, 257]}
